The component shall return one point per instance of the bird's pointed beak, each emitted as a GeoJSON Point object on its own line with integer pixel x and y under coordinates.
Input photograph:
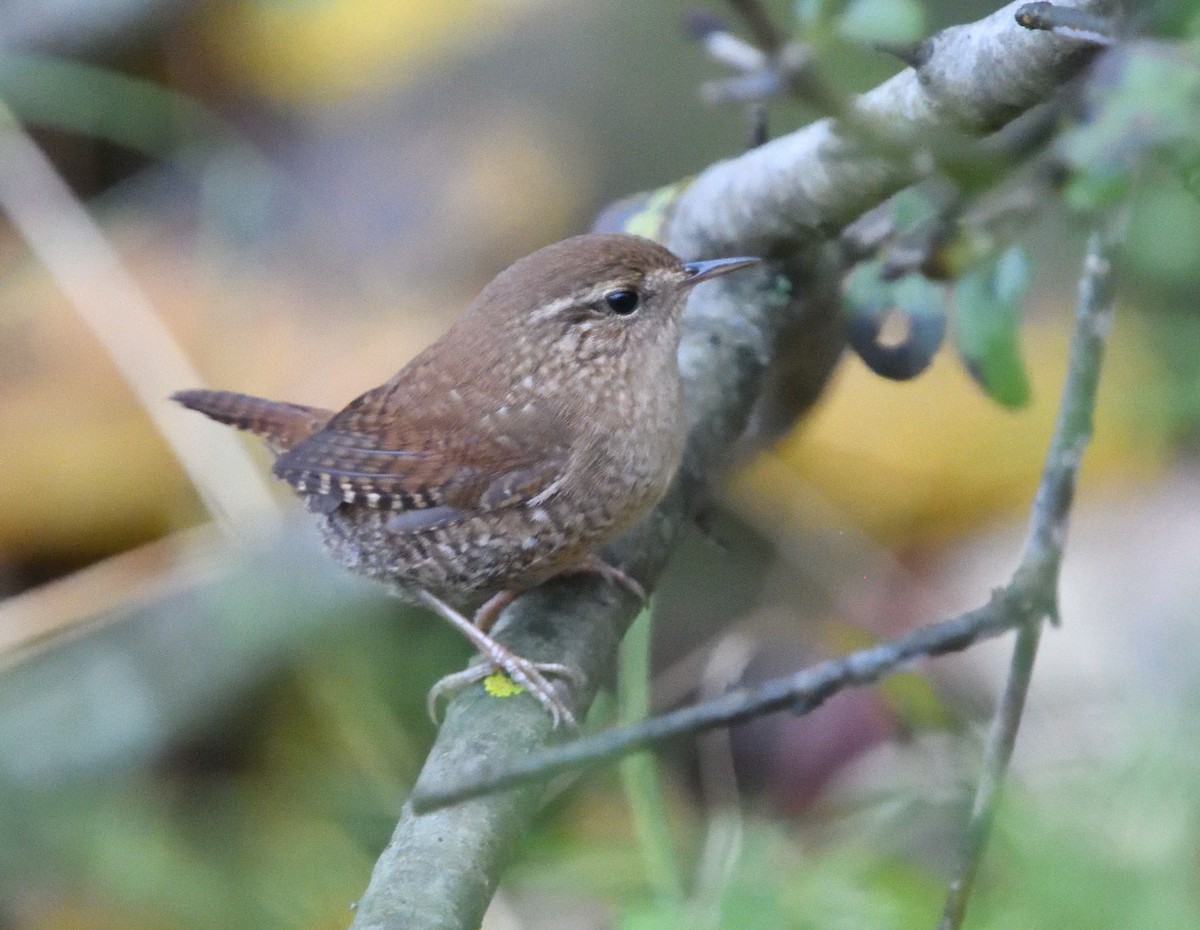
{"type": "Point", "coordinates": [703, 271]}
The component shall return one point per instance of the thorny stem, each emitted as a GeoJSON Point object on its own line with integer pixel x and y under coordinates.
{"type": "Point", "coordinates": [1039, 569]}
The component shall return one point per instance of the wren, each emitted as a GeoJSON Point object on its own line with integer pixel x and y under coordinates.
{"type": "Point", "coordinates": [547, 421]}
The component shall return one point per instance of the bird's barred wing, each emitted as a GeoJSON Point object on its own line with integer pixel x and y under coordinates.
{"type": "Point", "coordinates": [428, 470]}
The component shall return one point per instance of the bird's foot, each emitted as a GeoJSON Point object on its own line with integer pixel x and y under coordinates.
{"type": "Point", "coordinates": [533, 677]}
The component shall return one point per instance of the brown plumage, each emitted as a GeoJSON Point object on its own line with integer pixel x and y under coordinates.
{"type": "Point", "coordinates": [280, 425]}
{"type": "Point", "coordinates": [544, 423]}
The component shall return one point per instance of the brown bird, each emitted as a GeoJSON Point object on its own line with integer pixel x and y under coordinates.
{"type": "Point", "coordinates": [547, 421]}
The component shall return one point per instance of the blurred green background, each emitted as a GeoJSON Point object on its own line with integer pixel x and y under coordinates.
{"type": "Point", "coordinates": [206, 725]}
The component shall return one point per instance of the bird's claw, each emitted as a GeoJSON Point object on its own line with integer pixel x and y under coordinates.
{"type": "Point", "coordinates": [532, 676]}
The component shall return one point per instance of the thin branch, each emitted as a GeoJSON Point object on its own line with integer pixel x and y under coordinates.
{"type": "Point", "coordinates": [1040, 567]}
{"type": "Point", "coordinates": [761, 77]}
{"type": "Point", "coordinates": [800, 693]}
{"type": "Point", "coordinates": [771, 199]}
{"type": "Point", "coordinates": [1065, 21]}
{"type": "Point", "coordinates": [1001, 738]}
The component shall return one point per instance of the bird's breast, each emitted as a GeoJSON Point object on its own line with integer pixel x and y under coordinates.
{"type": "Point", "coordinates": [629, 455]}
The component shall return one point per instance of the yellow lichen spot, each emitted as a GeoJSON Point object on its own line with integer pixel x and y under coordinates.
{"type": "Point", "coordinates": [651, 218]}
{"type": "Point", "coordinates": [498, 684]}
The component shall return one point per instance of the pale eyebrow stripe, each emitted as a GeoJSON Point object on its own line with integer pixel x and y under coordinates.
{"type": "Point", "coordinates": [583, 297]}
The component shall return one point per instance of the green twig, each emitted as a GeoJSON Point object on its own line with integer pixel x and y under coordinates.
{"type": "Point", "coordinates": [639, 774]}
{"type": "Point", "coordinates": [1001, 738]}
{"type": "Point", "coordinates": [1041, 564]}
{"type": "Point", "coordinates": [801, 693]}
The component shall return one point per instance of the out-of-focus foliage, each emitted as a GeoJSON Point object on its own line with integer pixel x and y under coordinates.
{"type": "Point", "coordinates": [1106, 846]}
{"type": "Point", "coordinates": [987, 320]}
{"type": "Point", "coordinates": [883, 21]}
{"type": "Point", "coordinates": [929, 246]}
{"type": "Point", "coordinates": [47, 91]}
{"type": "Point", "coordinates": [266, 822]}
{"type": "Point", "coordinates": [953, 456]}
{"type": "Point", "coordinates": [1145, 102]}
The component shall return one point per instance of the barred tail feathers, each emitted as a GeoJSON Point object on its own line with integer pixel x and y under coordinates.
{"type": "Point", "coordinates": [280, 425]}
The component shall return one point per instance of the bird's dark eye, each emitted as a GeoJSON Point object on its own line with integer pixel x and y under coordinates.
{"type": "Point", "coordinates": [622, 302]}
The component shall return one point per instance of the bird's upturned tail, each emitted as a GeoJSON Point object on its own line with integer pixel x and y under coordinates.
{"type": "Point", "coordinates": [279, 424]}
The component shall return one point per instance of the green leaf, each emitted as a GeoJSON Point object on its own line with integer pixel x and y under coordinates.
{"type": "Point", "coordinates": [911, 207]}
{"type": "Point", "coordinates": [1164, 236]}
{"type": "Point", "coordinates": [883, 21]}
{"type": "Point", "coordinates": [643, 915]}
{"type": "Point", "coordinates": [987, 317]}
{"type": "Point", "coordinates": [917, 296]}
{"type": "Point", "coordinates": [810, 13]}
{"type": "Point", "coordinates": [1144, 102]}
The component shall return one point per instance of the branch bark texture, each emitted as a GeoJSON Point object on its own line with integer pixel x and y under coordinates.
{"type": "Point", "coordinates": [779, 201]}
{"type": "Point", "coordinates": [805, 186]}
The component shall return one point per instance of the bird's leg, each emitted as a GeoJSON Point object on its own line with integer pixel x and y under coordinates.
{"type": "Point", "coordinates": [532, 676]}
{"type": "Point", "coordinates": [486, 616]}
{"type": "Point", "coordinates": [594, 563]}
